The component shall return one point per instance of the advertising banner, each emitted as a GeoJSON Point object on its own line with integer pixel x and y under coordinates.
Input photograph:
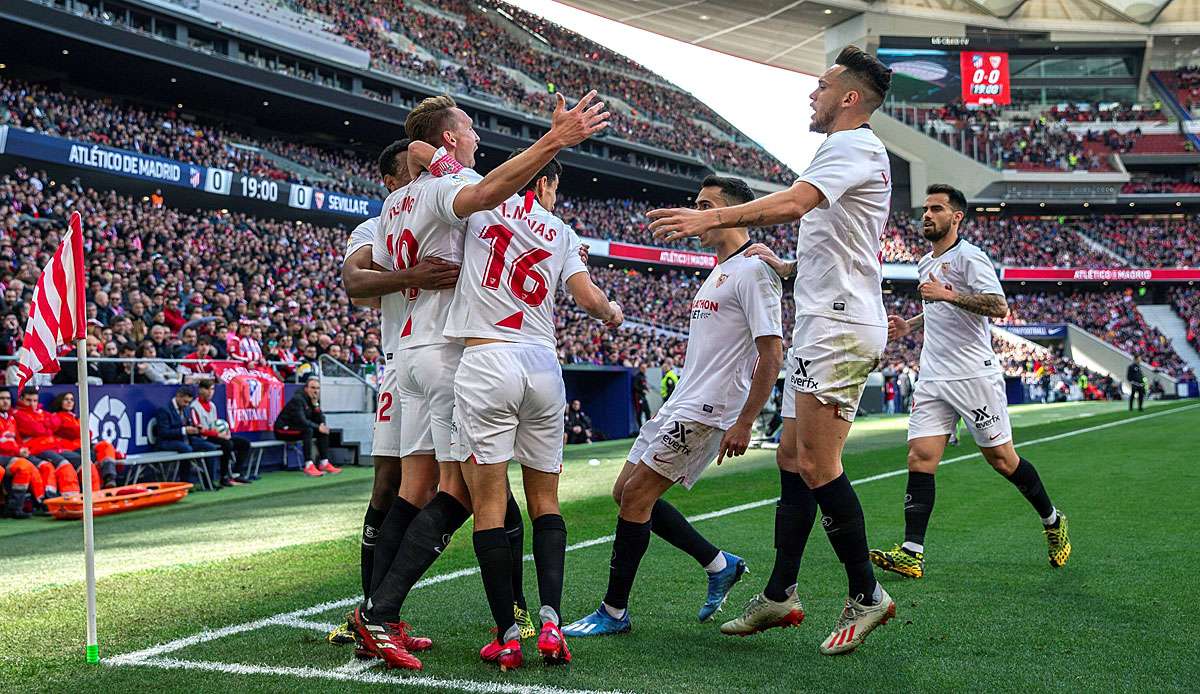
{"type": "Point", "coordinates": [253, 397]}
{"type": "Point", "coordinates": [1051, 331]}
{"type": "Point", "coordinates": [1108, 274]}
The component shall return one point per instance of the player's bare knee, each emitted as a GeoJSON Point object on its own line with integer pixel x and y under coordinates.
{"type": "Point", "coordinates": [1002, 461]}
{"type": "Point", "coordinates": [785, 458]}
{"type": "Point", "coordinates": [922, 461]}
{"type": "Point", "coordinates": [618, 487]}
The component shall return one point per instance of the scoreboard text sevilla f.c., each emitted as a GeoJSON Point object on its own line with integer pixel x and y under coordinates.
{"type": "Point", "coordinates": [985, 78]}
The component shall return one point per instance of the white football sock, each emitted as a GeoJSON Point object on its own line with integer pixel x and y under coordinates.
{"type": "Point", "coordinates": [1050, 519]}
{"type": "Point", "coordinates": [717, 565]}
{"type": "Point", "coordinates": [614, 612]}
{"type": "Point", "coordinates": [913, 547]}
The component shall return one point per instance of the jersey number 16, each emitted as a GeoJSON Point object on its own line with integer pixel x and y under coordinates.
{"type": "Point", "coordinates": [522, 271]}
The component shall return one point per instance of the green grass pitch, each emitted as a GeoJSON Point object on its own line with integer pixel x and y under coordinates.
{"type": "Point", "coordinates": [231, 591]}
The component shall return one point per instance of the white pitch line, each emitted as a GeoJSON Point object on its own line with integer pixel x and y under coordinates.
{"type": "Point", "coordinates": [471, 686]}
{"type": "Point", "coordinates": [138, 657]}
{"type": "Point", "coordinates": [357, 665]}
{"type": "Point", "coordinates": [305, 624]}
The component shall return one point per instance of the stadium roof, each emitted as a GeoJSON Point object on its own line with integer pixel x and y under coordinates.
{"type": "Point", "coordinates": [791, 33]}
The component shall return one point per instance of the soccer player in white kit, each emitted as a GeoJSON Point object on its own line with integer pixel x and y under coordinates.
{"type": "Point", "coordinates": [842, 201]}
{"type": "Point", "coordinates": [368, 286]}
{"type": "Point", "coordinates": [427, 219]}
{"type": "Point", "coordinates": [960, 377]}
{"type": "Point", "coordinates": [509, 396]}
{"type": "Point", "coordinates": [734, 351]}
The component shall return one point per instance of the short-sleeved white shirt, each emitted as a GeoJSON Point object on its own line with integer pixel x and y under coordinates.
{"type": "Point", "coordinates": [363, 235]}
{"type": "Point", "coordinates": [838, 266]}
{"type": "Point", "coordinates": [958, 343]}
{"type": "Point", "coordinates": [514, 257]}
{"type": "Point", "coordinates": [738, 303]}
{"type": "Point", "coordinates": [391, 306]}
{"type": "Point", "coordinates": [418, 222]}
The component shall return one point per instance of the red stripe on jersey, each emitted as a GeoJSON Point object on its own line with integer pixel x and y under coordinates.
{"type": "Point", "coordinates": [407, 328]}
{"type": "Point", "coordinates": [515, 321]}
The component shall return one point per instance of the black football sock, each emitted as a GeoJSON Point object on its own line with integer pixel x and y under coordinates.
{"type": "Point", "coordinates": [794, 517]}
{"type": "Point", "coordinates": [668, 523]}
{"type": "Point", "coordinates": [495, 565]}
{"type": "Point", "coordinates": [423, 543]}
{"type": "Point", "coordinates": [629, 547]}
{"type": "Point", "coordinates": [1027, 481]}
{"type": "Point", "coordinates": [391, 534]}
{"type": "Point", "coordinates": [371, 525]}
{"type": "Point", "coordinates": [514, 528]}
{"type": "Point", "coordinates": [918, 506]}
{"type": "Point", "coordinates": [847, 532]}
{"type": "Point", "coordinates": [550, 556]}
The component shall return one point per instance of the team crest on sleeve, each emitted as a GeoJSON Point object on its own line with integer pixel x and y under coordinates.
{"type": "Point", "coordinates": [722, 278]}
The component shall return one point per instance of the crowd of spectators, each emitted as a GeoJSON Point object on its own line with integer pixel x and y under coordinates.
{"type": "Point", "coordinates": [1042, 142]}
{"type": "Point", "coordinates": [473, 51]}
{"type": "Point", "coordinates": [276, 295]}
{"type": "Point", "coordinates": [1110, 315]}
{"type": "Point", "coordinates": [232, 286]}
{"type": "Point", "coordinates": [1166, 241]}
{"type": "Point", "coordinates": [1186, 302]}
{"type": "Point", "coordinates": [173, 134]}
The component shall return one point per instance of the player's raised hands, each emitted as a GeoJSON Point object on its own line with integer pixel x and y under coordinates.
{"type": "Point", "coordinates": [572, 126]}
{"type": "Point", "coordinates": [934, 289]}
{"type": "Point", "coordinates": [897, 327]}
{"type": "Point", "coordinates": [763, 252]}
{"type": "Point", "coordinates": [679, 223]}
{"type": "Point", "coordinates": [433, 273]}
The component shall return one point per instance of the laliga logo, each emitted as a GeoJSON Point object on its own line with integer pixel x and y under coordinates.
{"type": "Point", "coordinates": [254, 391]}
{"type": "Point", "coordinates": [109, 421]}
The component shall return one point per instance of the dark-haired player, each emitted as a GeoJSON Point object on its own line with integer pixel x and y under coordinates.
{"type": "Point", "coordinates": [960, 377]}
{"type": "Point", "coordinates": [509, 395]}
{"type": "Point", "coordinates": [368, 286]}
{"type": "Point", "coordinates": [842, 201]}
{"type": "Point", "coordinates": [735, 324]}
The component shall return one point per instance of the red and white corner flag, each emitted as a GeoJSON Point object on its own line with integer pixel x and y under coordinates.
{"type": "Point", "coordinates": [57, 313]}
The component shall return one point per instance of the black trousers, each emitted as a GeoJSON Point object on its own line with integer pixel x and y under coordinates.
{"type": "Point", "coordinates": [234, 452]}
{"type": "Point", "coordinates": [308, 436]}
{"type": "Point", "coordinates": [1139, 391]}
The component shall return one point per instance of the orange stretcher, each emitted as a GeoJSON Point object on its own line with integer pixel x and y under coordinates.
{"type": "Point", "coordinates": [119, 499]}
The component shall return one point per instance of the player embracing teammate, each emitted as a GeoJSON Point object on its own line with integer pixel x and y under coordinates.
{"type": "Point", "coordinates": [842, 201]}
{"type": "Point", "coordinates": [426, 219]}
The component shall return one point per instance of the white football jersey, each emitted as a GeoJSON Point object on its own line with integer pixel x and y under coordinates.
{"type": "Point", "coordinates": [838, 266]}
{"type": "Point", "coordinates": [363, 235]}
{"type": "Point", "coordinates": [958, 343]}
{"type": "Point", "coordinates": [418, 222]}
{"type": "Point", "coordinates": [514, 258]}
{"type": "Point", "coordinates": [391, 306]}
{"type": "Point", "coordinates": [739, 302]}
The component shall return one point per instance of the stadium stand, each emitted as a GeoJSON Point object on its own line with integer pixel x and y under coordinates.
{"type": "Point", "coordinates": [1110, 315]}
{"type": "Point", "coordinates": [1186, 302]}
{"type": "Point", "coordinates": [470, 48]}
{"type": "Point", "coordinates": [1032, 139]}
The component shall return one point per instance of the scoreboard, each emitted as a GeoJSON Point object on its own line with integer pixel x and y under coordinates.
{"type": "Point", "coordinates": [985, 78]}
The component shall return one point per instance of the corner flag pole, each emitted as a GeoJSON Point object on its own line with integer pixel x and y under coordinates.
{"type": "Point", "coordinates": [89, 544]}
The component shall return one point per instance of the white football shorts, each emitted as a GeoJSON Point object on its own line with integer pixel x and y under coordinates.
{"type": "Point", "coordinates": [981, 402]}
{"type": "Point", "coordinates": [387, 436]}
{"type": "Point", "coordinates": [425, 378]}
{"type": "Point", "coordinates": [509, 403]}
{"type": "Point", "coordinates": [831, 360]}
{"type": "Point", "coordinates": [676, 448]}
